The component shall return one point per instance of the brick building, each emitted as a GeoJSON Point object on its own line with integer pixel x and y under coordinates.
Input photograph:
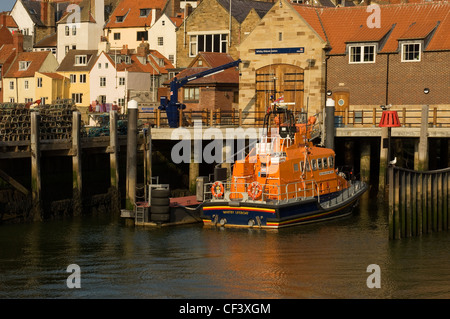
{"type": "Point", "coordinates": [218, 91]}
{"type": "Point", "coordinates": [212, 28]}
{"type": "Point", "coordinates": [364, 63]}
{"type": "Point", "coordinates": [391, 64]}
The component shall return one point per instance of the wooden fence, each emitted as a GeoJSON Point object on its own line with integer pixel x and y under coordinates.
{"type": "Point", "coordinates": [409, 117]}
{"type": "Point", "coordinates": [418, 202]}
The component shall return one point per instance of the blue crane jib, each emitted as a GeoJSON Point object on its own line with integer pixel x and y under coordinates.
{"type": "Point", "coordinates": [173, 106]}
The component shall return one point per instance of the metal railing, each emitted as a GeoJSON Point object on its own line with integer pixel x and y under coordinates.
{"type": "Point", "coordinates": [269, 192]}
{"type": "Point", "coordinates": [408, 116]}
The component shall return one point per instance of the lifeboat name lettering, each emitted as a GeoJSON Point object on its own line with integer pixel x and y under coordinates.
{"type": "Point", "coordinates": [237, 212]}
{"type": "Point", "coordinates": [326, 172]}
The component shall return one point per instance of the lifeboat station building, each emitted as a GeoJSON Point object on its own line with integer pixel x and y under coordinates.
{"type": "Point", "coordinates": [363, 56]}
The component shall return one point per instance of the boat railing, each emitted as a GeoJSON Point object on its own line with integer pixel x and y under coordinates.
{"type": "Point", "coordinates": [269, 192]}
{"type": "Point", "coordinates": [346, 193]}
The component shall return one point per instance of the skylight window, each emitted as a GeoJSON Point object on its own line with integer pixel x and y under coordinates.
{"type": "Point", "coordinates": [81, 60]}
{"type": "Point", "coordinates": [144, 12]}
{"type": "Point", "coordinates": [23, 65]}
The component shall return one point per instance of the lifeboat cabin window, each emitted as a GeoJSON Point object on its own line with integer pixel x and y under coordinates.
{"type": "Point", "coordinates": [308, 167]}
{"type": "Point", "coordinates": [295, 167]}
{"type": "Point", "coordinates": [314, 164]}
{"type": "Point", "coordinates": [325, 164]}
{"type": "Point", "coordinates": [319, 163]}
{"type": "Point", "coordinates": [331, 161]}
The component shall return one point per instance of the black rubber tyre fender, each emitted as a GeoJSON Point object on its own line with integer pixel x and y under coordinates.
{"type": "Point", "coordinates": [160, 193]}
{"type": "Point", "coordinates": [156, 201]}
{"type": "Point", "coordinates": [160, 210]}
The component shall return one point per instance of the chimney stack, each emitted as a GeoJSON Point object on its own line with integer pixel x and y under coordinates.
{"type": "Point", "coordinates": [125, 50]}
{"type": "Point", "coordinates": [18, 41]}
{"type": "Point", "coordinates": [175, 7]}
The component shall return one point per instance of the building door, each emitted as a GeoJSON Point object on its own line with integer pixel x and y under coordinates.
{"type": "Point", "coordinates": [275, 81]}
{"type": "Point", "coordinates": [342, 101]}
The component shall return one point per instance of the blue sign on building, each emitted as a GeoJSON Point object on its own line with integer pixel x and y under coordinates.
{"type": "Point", "coordinates": [280, 50]}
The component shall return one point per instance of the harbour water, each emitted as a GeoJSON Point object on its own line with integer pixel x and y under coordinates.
{"type": "Point", "coordinates": [323, 260]}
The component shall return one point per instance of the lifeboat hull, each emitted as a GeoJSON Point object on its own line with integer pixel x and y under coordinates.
{"type": "Point", "coordinates": [250, 214]}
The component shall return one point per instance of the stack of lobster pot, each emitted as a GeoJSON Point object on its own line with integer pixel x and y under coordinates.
{"type": "Point", "coordinates": [56, 120]}
{"type": "Point", "coordinates": [14, 122]}
{"type": "Point", "coordinates": [160, 205]}
{"type": "Point", "coordinates": [55, 123]}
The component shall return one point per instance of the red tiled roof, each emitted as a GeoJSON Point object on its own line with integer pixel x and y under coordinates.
{"type": "Point", "coordinates": [5, 52]}
{"type": "Point", "coordinates": [407, 21]}
{"type": "Point", "coordinates": [36, 59]}
{"type": "Point", "coordinates": [55, 76]}
{"type": "Point", "coordinates": [177, 21]}
{"type": "Point", "coordinates": [163, 69]}
{"type": "Point", "coordinates": [211, 60]}
{"type": "Point", "coordinates": [130, 10]}
{"type": "Point", "coordinates": [311, 16]}
{"type": "Point", "coordinates": [10, 22]}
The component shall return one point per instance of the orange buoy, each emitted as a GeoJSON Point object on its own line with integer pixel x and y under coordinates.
{"type": "Point", "coordinates": [254, 190]}
{"type": "Point", "coordinates": [217, 189]}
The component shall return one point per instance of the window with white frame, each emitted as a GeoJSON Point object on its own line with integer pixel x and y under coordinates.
{"type": "Point", "coordinates": [73, 78]}
{"type": "Point", "coordinates": [67, 30]}
{"type": "Point", "coordinates": [11, 100]}
{"type": "Point", "coordinates": [411, 52]}
{"type": "Point", "coordinates": [121, 102]}
{"type": "Point", "coordinates": [160, 41]}
{"type": "Point", "coordinates": [43, 100]}
{"type": "Point", "coordinates": [117, 36]}
{"type": "Point", "coordinates": [39, 82]}
{"type": "Point", "coordinates": [362, 54]}
{"type": "Point", "coordinates": [191, 94]}
{"type": "Point", "coordinates": [172, 58]}
{"type": "Point", "coordinates": [121, 81]}
{"type": "Point", "coordinates": [82, 78]}
{"type": "Point", "coordinates": [81, 60]}
{"type": "Point", "coordinates": [208, 43]}
{"type": "Point", "coordinates": [11, 85]}
{"type": "Point", "coordinates": [74, 30]}
{"type": "Point", "coordinates": [23, 65]}
{"type": "Point", "coordinates": [102, 81]}
{"type": "Point", "coordinates": [77, 97]}
{"type": "Point", "coordinates": [28, 100]}
{"type": "Point", "coordinates": [26, 84]}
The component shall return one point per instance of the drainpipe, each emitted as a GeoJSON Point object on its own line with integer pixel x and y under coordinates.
{"type": "Point", "coordinates": [387, 80]}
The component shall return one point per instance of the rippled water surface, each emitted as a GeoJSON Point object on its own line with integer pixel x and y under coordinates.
{"type": "Point", "coordinates": [323, 260]}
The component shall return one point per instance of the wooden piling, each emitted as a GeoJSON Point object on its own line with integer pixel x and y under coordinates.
{"type": "Point", "coordinates": [418, 202]}
{"type": "Point", "coordinates": [383, 162]}
{"type": "Point", "coordinates": [36, 184]}
{"type": "Point", "coordinates": [77, 180]}
{"type": "Point", "coordinates": [423, 141]}
{"type": "Point", "coordinates": [130, 199]}
{"type": "Point", "coordinates": [113, 150]}
{"type": "Point", "coordinates": [148, 155]}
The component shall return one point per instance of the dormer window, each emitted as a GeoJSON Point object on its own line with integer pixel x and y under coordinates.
{"type": "Point", "coordinates": [23, 65]}
{"type": "Point", "coordinates": [411, 52]}
{"type": "Point", "coordinates": [362, 54]}
{"type": "Point", "coordinates": [144, 12]}
{"type": "Point", "coordinates": [120, 18]}
{"type": "Point", "coordinates": [81, 60]}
